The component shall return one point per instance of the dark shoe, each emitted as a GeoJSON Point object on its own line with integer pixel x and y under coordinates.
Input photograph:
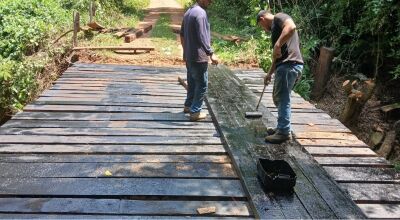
{"type": "Point", "coordinates": [271, 130]}
{"type": "Point", "coordinates": [278, 138]}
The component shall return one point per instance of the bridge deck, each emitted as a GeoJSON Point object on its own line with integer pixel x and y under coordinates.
{"type": "Point", "coordinates": [112, 141]}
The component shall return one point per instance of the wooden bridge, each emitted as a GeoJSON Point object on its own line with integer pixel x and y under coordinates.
{"type": "Point", "coordinates": [111, 141]}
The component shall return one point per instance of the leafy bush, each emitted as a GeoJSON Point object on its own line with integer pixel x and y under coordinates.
{"type": "Point", "coordinates": [27, 26]}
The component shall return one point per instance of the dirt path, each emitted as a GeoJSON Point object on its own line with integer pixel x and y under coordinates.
{"type": "Point", "coordinates": [165, 54]}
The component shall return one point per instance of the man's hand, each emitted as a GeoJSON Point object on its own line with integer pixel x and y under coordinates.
{"type": "Point", "coordinates": [277, 52]}
{"type": "Point", "coordinates": [267, 79]}
{"type": "Point", "coordinates": [214, 59]}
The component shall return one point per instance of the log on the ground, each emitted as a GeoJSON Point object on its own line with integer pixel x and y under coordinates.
{"type": "Point", "coordinates": [95, 26]}
{"type": "Point", "coordinates": [114, 48]}
{"type": "Point", "coordinates": [356, 100]}
{"type": "Point", "coordinates": [391, 110]}
{"type": "Point", "coordinates": [138, 33]}
{"type": "Point", "coordinates": [231, 38]}
{"type": "Point", "coordinates": [388, 144]}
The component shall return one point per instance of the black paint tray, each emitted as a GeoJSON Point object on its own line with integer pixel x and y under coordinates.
{"type": "Point", "coordinates": [275, 175]}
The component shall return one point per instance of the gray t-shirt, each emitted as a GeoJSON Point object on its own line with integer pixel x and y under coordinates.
{"type": "Point", "coordinates": [291, 49]}
{"type": "Point", "coordinates": [195, 30]}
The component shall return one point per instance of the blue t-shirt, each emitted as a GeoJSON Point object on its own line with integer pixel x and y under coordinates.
{"type": "Point", "coordinates": [195, 30]}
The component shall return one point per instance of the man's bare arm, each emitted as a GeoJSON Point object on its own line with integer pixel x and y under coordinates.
{"type": "Point", "coordinates": [288, 30]}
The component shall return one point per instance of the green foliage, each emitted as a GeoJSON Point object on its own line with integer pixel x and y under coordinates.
{"type": "Point", "coordinates": [397, 166]}
{"type": "Point", "coordinates": [21, 83]}
{"type": "Point", "coordinates": [24, 25]}
{"type": "Point", "coordinates": [163, 36]}
{"type": "Point", "coordinates": [230, 52]}
{"type": "Point", "coordinates": [162, 28]}
{"type": "Point", "coordinates": [186, 3]}
{"type": "Point", "coordinates": [27, 26]}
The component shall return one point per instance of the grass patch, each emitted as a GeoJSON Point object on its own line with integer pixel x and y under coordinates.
{"type": "Point", "coordinates": [163, 36]}
{"type": "Point", "coordinates": [229, 52]}
{"type": "Point", "coordinates": [185, 3]}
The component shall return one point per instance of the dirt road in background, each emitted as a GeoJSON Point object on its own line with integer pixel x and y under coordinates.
{"type": "Point", "coordinates": [165, 54]}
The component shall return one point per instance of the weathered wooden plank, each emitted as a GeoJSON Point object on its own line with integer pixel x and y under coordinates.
{"type": "Point", "coordinates": [73, 116]}
{"type": "Point", "coordinates": [110, 132]}
{"type": "Point", "coordinates": [138, 104]}
{"type": "Point", "coordinates": [117, 96]}
{"type": "Point", "coordinates": [152, 140]}
{"type": "Point", "coordinates": [99, 109]}
{"type": "Point", "coordinates": [107, 101]}
{"type": "Point", "coordinates": [116, 216]}
{"type": "Point", "coordinates": [332, 143]}
{"type": "Point", "coordinates": [326, 135]}
{"type": "Point", "coordinates": [122, 81]}
{"type": "Point", "coordinates": [353, 161]}
{"type": "Point", "coordinates": [314, 120]}
{"type": "Point", "coordinates": [79, 77]}
{"type": "Point", "coordinates": [120, 187]}
{"type": "Point", "coordinates": [340, 151]}
{"type": "Point", "coordinates": [113, 158]}
{"type": "Point", "coordinates": [127, 86]}
{"type": "Point", "coordinates": [373, 193]}
{"type": "Point", "coordinates": [122, 207]}
{"type": "Point", "coordinates": [320, 128]}
{"type": "Point", "coordinates": [111, 93]}
{"type": "Point", "coordinates": [381, 211]}
{"type": "Point", "coordinates": [121, 170]}
{"type": "Point", "coordinates": [297, 110]}
{"type": "Point", "coordinates": [104, 148]}
{"type": "Point", "coordinates": [107, 124]}
{"type": "Point", "coordinates": [124, 89]}
{"type": "Point", "coordinates": [363, 174]}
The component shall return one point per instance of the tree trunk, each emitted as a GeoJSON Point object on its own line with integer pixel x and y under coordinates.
{"type": "Point", "coordinates": [356, 100]}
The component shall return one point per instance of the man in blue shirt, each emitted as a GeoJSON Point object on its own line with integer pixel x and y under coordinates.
{"type": "Point", "coordinates": [196, 43]}
{"type": "Point", "coordinates": [287, 64]}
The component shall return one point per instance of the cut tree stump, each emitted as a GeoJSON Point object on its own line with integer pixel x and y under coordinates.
{"type": "Point", "coordinates": [322, 74]}
{"type": "Point", "coordinates": [356, 100]}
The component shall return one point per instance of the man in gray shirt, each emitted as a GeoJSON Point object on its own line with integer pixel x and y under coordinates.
{"type": "Point", "coordinates": [287, 64]}
{"type": "Point", "coordinates": [196, 43]}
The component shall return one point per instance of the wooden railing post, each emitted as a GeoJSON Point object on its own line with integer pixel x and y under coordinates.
{"type": "Point", "coordinates": [322, 74]}
{"type": "Point", "coordinates": [76, 29]}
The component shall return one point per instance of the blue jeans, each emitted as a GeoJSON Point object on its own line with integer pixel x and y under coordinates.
{"type": "Point", "coordinates": [286, 76]}
{"type": "Point", "coordinates": [197, 79]}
